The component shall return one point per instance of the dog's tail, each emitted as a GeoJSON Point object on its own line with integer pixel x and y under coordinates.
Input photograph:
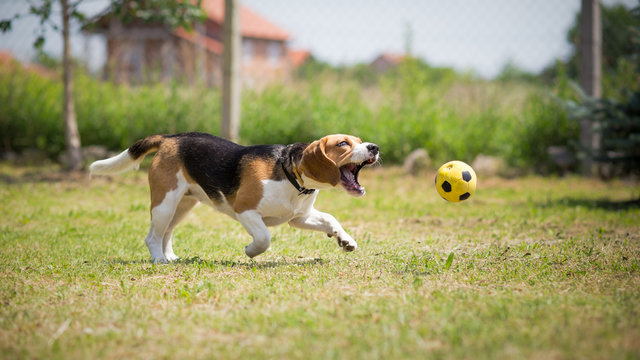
{"type": "Point", "coordinates": [128, 159]}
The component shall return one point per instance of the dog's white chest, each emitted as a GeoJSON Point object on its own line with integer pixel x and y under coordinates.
{"type": "Point", "coordinates": [281, 202]}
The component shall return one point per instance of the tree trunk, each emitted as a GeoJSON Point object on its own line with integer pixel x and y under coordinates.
{"type": "Point", "coordinates": [590, 76]}
{"type": "Point", "coordinates": [71, 133]}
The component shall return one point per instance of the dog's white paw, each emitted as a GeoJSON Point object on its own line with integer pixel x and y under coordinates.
{"type": "Point", "coordinates": [345, 241]}
{"type": "Point", "coordinates": [172, 257]}
{"type": "Point", "coordinates": [254, 249]}
{"type": "Point", "coordinates": [348, 245]}
{"type": "Point", "coordinates": [160, 260]}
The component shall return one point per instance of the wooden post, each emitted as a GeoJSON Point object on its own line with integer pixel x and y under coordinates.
{"type": "Point", "coordinates": [590, 74]}
{"type": "Point", "coordinates": [201, 54]}
{"type": "Point", "coordinates": [231, 72]}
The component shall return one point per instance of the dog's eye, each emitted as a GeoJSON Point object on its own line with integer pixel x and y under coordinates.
{"type": "Point", "coordinates": [343, 143]}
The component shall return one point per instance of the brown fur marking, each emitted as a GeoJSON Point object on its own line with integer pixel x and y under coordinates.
{"type": "Point", "coordinates": [341, 155]}
{"type": "Point", "coordinates": [321, 160]}
{"type": "Point", "coordinates": [250, 190]}
{"type": "Point", "coordinates": [162, 172]}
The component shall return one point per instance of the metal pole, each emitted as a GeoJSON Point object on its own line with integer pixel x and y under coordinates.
{"type": "Point", "coordinates": [231, 72]}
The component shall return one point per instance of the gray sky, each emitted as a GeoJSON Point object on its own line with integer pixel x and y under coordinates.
{"type": "Point", "coordinates": [469, 35]}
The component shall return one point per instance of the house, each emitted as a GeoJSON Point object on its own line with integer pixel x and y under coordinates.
{"type": "Point", "coordinates": [299, 57]}
{"type": "Point", "coordinates": [8, 62]}
{"type": "Point", "coordinates": [141, 52]}
{"type": "Point", "coordinates": [386, 61]}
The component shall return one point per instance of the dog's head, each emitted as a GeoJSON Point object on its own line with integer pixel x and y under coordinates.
{"type": "Point", "coordinates": [337, 159]}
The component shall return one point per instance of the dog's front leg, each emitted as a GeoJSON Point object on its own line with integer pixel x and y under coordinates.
{"type": "Point", "coordinates": [251, 220]}
{"type": "Point", "coordinates": [317, 220]}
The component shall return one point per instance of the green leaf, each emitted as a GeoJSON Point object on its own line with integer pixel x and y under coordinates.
{"type": "Point", "coordinates": [449, 261]}
{"type": "Point", "coordinates": [5, 25]}
{"type": "Point", "coordinates": [39, 42]}
{"type": "Point", "coordinates": [78, 16]}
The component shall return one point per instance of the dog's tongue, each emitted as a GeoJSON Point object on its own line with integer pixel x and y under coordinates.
{"type": "Point", "coordinates": [350, 181]}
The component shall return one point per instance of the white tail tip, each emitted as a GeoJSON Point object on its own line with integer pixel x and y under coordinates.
{"type": "Point", "coordinates": [114, 165]}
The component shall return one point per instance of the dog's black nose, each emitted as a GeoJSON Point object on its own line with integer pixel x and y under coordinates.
{"type": "Point", "coordinates": [373, 148]}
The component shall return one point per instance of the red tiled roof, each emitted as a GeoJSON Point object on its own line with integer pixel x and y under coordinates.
{"type": "Point", "coordinates": [392, 57]}
{"type": "Point", "coordinates": [251, 24]}
{"type": "Point", "coordinates": [7, 59]}
{"type": "Point", "coordinates": [298, 57]}
{"type": "Point", "coordinates": [210, 44]}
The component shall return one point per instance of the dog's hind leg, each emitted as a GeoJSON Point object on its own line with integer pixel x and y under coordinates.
{"type": "Point", "coordinates": [184, 206]}
{"type": "Point", "coordinates": [166, 194]}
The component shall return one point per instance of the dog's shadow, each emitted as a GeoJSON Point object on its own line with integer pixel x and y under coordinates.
{"type": "Point", "coordinates": [604, 204]}
{"type": "Point", "coordinates": [213, 264]}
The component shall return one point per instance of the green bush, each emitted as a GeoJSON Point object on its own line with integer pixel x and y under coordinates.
{"type": "Point", "coordinates": [453, 117]}
{"type": "Point", "coordinates": [31, 110]}
{"type": "Point", "coordinates": [108, 114]}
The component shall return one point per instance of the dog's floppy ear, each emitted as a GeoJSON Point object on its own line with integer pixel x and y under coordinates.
{"type": "Point", "coordinates": [317, 165]}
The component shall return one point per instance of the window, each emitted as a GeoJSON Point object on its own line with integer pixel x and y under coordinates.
{"type": "Point", "coordinates": [247, 51]}
{"type": "Point", "coordinates": [131, 61]}
{"type": "Point", "coordinates": [273, 54]}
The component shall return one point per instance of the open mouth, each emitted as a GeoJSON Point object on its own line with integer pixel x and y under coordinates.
{"type": "Point", "coordinates": [349, 177]}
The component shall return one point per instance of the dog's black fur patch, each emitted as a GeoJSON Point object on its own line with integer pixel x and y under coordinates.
{"type": "Point", "coordinates": [216, 163]}
{"type": "Point", "coordinates": [142, 146]}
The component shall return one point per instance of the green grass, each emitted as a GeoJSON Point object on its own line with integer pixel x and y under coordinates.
{"type": "Point", "coordinates": [527, 268]}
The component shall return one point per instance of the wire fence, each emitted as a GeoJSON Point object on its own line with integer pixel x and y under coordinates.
{"type": "Point", "coordinates": [462, 118]}
{"type": "Point", "coordinates": [481, 36]}
{"type": "Point", "coordinates": [477, 36]}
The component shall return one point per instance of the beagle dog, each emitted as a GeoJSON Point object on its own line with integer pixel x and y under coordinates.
{"type": "Point", "coordinates": [260, 186]}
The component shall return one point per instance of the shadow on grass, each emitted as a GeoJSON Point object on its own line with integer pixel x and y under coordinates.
{"type": "Point", "coordinates": [44, 175]}
{"type": "Point", "coordinates": [249, 264]}
{"type": "Point", "coordinates": [604, 204]}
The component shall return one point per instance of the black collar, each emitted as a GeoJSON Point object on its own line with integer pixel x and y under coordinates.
{"type": "Point", "coordinates": [292, 179]}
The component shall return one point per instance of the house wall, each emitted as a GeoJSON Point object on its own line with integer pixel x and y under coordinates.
{"type": "Point", "coordinates": [381, 65]}
{"type": "Point", "coordinates": [197, 65]}
{"type": "Point", "coordinates": [135, 53]}
{"type": "Point", "coordinates": [139, 60]}
{"type": "Point", "coordinates": [140, 54]}
{"type": "Point", "coordinates": [264, 61]}
{"type": "Point", "coordinates": [213, 30]}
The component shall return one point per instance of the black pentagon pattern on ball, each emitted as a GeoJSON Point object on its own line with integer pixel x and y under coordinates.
{"type": "Point", "coordinates": [464, 196]}
{"type": "Point", "coordinates": [446, 186]}
{"type": "Point", "coordinates": [466, 176]}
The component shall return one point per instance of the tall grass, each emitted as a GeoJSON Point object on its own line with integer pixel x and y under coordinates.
{"type": "Point", "coordinates": [450, 116]}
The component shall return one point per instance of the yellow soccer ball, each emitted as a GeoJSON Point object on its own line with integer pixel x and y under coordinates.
{"type": "Point", "coordinates": [456, 181]}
